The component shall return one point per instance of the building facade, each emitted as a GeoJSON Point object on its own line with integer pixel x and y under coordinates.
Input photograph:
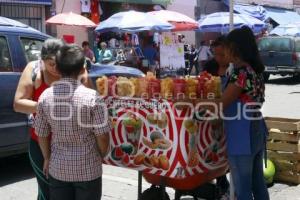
{"type": "Point", "coordinates": [31, 12]}
{"type": "Point", "coordinates": [105, 8]}
{"type": "Point", "coordinates": [79, 34]}
{"type": "Point", "coordinates": [187, 7]}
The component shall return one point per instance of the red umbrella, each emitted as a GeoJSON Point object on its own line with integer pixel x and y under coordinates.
{"type": "Point", "coordinates": [71, 19]}
{"type": "Point", "coordinates": [180, 21]}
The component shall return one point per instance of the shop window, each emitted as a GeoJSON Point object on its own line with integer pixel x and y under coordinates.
{"type": "Point", "coordinates": [32, 48]}
{"type": "Point", "coordinates": [5, 58]}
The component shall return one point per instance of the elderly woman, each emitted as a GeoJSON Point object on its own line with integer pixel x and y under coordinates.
{"type": "Point", "coordinates": [104, 54]}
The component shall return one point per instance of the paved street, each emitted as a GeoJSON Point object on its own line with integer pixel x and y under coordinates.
{"type": "Point", "coordinates": [17, 182]}
{"type": "Point", "coordinates": [282, 97]}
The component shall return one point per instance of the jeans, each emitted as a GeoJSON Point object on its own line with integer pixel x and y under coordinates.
{"type": "Point", "coordinates": [247, 170]}
{"type": "Point", "coordinates": [37, 161]}
{"type": "Point", "coordinates": [86, 190]}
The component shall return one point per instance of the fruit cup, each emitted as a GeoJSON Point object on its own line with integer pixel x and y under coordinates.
{"type": "Point", "coordinates": [179, 88]}
{"type": "Point", "coordinates": [154, 88]}
{"type": "Point", "coordinates": [133, 127]}
{"type": "Point", "coordinates": [166, 87]}
{"type": "Point", "coordinates": [143, 88]}
{"type": "Point", "coordinates": [112, 86]}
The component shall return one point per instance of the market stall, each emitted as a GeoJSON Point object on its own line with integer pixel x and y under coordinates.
{"type": "Point", "coordinates": [153, 33]}
{"type": "Point", "coordinates": [155, 129]}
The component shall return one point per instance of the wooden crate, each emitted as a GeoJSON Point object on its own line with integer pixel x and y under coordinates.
{"type": "Point", "coordinates": [284, 148]}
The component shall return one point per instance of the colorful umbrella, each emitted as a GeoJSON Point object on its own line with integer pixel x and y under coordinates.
{"type": "Point", "coordinates": [219, 22]}
{"type": "Point", "coordinates": [180, 21]}
{"type": "Point", "coordinates": [133, 21]}
{"type": "Point", "coordinates": [71, 19]}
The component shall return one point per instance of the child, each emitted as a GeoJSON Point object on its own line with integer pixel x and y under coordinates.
{"type": "Point", "coordinates": [78, 121]}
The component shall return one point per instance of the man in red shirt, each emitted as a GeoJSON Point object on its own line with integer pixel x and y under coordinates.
{"type": "Point", "coordinates": [88, 53]}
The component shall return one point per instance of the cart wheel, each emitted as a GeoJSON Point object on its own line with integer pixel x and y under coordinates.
{"type": "Point", "coordinates": [154, 192]}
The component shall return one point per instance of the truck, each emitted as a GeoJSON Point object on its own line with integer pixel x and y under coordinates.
{"type": "Point", "coordinates": [280, 55]}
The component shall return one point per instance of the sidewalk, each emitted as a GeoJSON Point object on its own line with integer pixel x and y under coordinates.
{"type": "Point", "coordinates": [121, 184]}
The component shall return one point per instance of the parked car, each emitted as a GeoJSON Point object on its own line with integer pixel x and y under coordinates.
{"type": "Point", "coordinates": [280, 55]}
{"type": "Point", "coordinates": [20, 44]}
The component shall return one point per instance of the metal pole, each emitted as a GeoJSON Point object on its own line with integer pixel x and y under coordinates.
{"type": "Point", "coordinates": [231, 188]}
{"type": "Point", "coordinates": [231, 3]}
{"type": "Point", "coordinates": [140, 182]}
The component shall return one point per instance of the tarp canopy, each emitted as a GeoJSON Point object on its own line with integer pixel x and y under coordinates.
{"type": "Point", "coordinates": [219, 22]}
{"type": "Point", "coordinates": [287, 29]}
{"type": "Point", "coordinates": [279, 15]}
{"type": "Point", "coordinates": [256, 11]}
{"type": "Point", "coordinates": [282, 16]}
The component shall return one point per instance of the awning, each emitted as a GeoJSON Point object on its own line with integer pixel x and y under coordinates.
{"type": "Point", "coordinates": [282, 16]}
{"type": "Point", "coordinates": [151, 2]}
{"type": "Point", "coordinates": [36, 2]}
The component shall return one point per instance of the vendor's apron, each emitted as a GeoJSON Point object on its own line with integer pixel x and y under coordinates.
{"type": "Point", "coordinates": [238, 130]}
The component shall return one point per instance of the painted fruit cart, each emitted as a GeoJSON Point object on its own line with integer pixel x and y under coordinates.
{"type": "Point", "coordinates": [161, 139]}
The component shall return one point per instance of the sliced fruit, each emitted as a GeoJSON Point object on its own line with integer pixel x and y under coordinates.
{"type": "Point", "coordinates": [119, 152]}
{"type": "Point", "coordinates": [150, 144]}
{"type": "Point", "coordinates": [164, 162]}
{"type": "Point", "coordinates": [129, 128]}
{"type": "Point", "coordinates": [127, 148]}
{"type": "Point", "coordinates": [113, 155]}
{"type": "Point", "coordinates": [148, 162]}
{"type": "Point", "coordinates": [126, 159]}
{"type": "Point", "coordinates": [164, 143]}
{"type": "Point", "coordinates": [139, 159]}
{"type": "Point", "coordinates": [155, 161]}
{"type": "Point", "coordinates": [193, 158]}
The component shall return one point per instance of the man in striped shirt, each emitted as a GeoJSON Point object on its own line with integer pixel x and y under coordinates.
{"type": "Point", "coordinates": [78, 120]}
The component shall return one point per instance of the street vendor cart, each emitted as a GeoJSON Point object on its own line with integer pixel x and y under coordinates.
{"type": "Point", "coordinates": [155, 131]}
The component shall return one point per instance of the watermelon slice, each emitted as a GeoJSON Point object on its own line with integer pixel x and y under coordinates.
{"type": "Point", "coordinates": [126, 159]}
{"type": "Point", "coordinates": [117, 153]}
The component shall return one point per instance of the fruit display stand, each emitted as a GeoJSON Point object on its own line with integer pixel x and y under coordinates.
{"type": "Point", "coordinates": [165, 143]}
{"type": "Point", "coordinates": [283, 147]}
{"type": "Point", "coordinates": [155, 133]}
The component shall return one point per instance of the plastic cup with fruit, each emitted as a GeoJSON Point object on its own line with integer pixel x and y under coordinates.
{"type": "Point", "coordinates": [133, 126]}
